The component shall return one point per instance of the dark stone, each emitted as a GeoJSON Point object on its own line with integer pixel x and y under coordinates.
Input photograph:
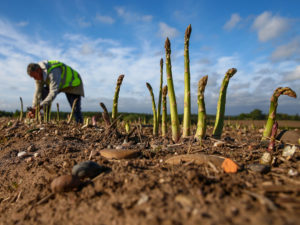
{"type": "Point", "coordinates": [88, 169]}
{"type": "Point", "coordinates": [259, 168]}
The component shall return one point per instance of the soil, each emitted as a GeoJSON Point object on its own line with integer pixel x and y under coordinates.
{"type": "Point", "coordinates": [144, 189]}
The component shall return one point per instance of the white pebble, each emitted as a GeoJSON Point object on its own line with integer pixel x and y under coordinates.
{"type": "Point", "coordinates": [218, 144]}
{"type": "Point", "coordinates": [22, 154]}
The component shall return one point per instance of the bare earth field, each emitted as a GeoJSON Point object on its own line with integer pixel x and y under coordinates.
{"type": "Point", "coordinates": [144, 189]}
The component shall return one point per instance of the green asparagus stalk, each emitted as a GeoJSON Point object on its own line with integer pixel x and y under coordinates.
{"type": "Point", "coordinates": [273, 107]}
{"type": "Point", "coordinates": [127, 127]}
{"type": "Point", "coordinates": [172, 97]}
{"type": "Point", "coordinates": [155, 125]}
{"type": "Point", "coordinates": [38, 114]}
{"type": "Point", "coordinates": [72, 111]}
{"type": "Point", "coordinates": [160, 91]}
{"type": "Point", "coordinates": [49, 112]}
{"type": "Point", "coordinates": [57, 112]}
{"type": "Point", "coordinates": [116, 97]}
{"type": "Point", "coordinates": [201, 126]}
{"type": "Point", "coordinates": [217, 132]}
{"type": "Point", "coordinates": [45, 109]}
{"type": "Point", "coordinates": [164, 128]}
{"type": "Point", "coordinates": [21, 112]}
{"type": "Point", "coordinates": [187, 88]}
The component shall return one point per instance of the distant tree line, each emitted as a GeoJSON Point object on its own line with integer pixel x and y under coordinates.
{"type": "Point", "coordinates": [256, 114]}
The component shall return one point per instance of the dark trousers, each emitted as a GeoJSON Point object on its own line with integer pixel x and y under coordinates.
{"type": "Point", "coordinates": [71, 98]}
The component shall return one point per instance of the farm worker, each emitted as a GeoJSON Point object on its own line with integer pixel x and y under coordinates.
{"type": "Point", "coordinates": [53, 77]}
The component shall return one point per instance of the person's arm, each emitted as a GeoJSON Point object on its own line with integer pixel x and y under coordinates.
{"type": "Point", "coordinates": [54, 78]}
{"type": "Point", "coordinates": [37, 94]}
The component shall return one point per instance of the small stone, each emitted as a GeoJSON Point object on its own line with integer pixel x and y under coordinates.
{"type": "Point", "coordinates": [289, 151]}
{"type": "Point", "coordinates": [22, 154]}
{"type": "Point", "coordinates": [292, 172]}
{"type": "Point", "coordinates": [56, 132]}
{"type": "Point", "coordinates": [219, 144]}
{"type": "Point", "coordinates": [29, 159]}
{"type": "Point", "coordinates": [119, 147]}
{"type": "Point", "coordinates": [88, 169]}
{"type": "Point", "coordinates": [260, 168]}
{"type": "Point", "coordinates": [184, 200]}
{"type": "Point", "coordinates": [31, 148]}
{"type": "Point", "coordinates": [144, 198]}
{"type": "Point", "coordinates": [119, 153]}
{"type": "Point", "coordinates": [36, 155]}
{"type": "Point", "coordinates": [266, 159]}
{"type": "Point", "coordinates": [65, 183]}
{"type": "Point", "coordinates": [65, 164]}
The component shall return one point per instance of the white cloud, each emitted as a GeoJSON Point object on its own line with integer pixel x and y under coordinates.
{"type": "Point", "coordinates": [22, 24]}
{"type": "Point", "coordinates": [129, 16]}
{"type": "Point", "coordinates": [167, 31]}
{"type": "Point", "coordinates": [294, 75]}
{"type": "Point", "coordinates": [83, 23]}
{"type": "Point", "coordinates": [234, 20]}
{"type": "Point", "coordinates": [287, 51]}
{"type": "Point", "coordinates": [105, 19]}
{"type": "Point", "coordinates": [269, 26]}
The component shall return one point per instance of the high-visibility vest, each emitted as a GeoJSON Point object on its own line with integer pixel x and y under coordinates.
{"type": "Point", "coordinates": [69, 77]}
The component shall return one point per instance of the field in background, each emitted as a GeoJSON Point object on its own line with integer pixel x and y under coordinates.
{"type": "Point", "coordinates": [283, 124]}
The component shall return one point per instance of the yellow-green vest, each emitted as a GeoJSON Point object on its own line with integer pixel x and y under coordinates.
{"type": "Point", "coordinates": [69, 77]}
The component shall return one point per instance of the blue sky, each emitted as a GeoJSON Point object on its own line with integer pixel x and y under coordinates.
{"type": "Point", "coordinates": [103, 39]}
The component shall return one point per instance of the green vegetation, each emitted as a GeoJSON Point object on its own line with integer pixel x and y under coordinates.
{"type": "Point", "coordinates": [256, 114]}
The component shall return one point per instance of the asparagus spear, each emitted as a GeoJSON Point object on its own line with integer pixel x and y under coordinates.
{"type": "Point", "coordinates": [172, 97]}
{"type": "Point", "coordinates": [155, 125]}
{"type": "Point", "coordinates": [57, 113]}
{"type": "Point", "coordinates": [160, 91]}
{"type": "Point", "coordinates": [72, 111]}
{"type": "Point", "coordinates": [105, 114]}
{"type": "Point", "coordinates": [21, 112]}
{"type": "Point", "coordinates": [116, 97]}
{"type": "Point", "coordinates": [164, 127]}
{"type": "Point", "coordinates": [273, 136]}
{"type": "Point", "coordinates": [187, 88]}
{"type": "Point", "coordinates": [273, 107]}
{"type": "Point", "coordinates": [201, 126]}
{"type": "Point", "coordinates": [217, 132]}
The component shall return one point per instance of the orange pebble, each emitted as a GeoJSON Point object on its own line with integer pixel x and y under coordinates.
{"type": "Point", "coordinates": [229, 166]}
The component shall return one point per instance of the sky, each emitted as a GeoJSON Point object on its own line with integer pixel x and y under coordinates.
{"type": "Point", "coordinates": [104, 39]}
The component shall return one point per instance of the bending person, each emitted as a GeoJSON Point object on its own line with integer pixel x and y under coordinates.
{"type": "Point", "coordinates": [53, 77]}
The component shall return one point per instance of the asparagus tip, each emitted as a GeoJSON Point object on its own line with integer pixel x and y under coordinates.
{"type": "Point", "coordinates": [167, 44]}
{"type": "Point", "coordinates": [188, 32]}
{"type": "Point", "coordinates": [161, 62]}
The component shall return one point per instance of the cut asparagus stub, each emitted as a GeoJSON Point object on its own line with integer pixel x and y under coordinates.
{"type": "Point", "coordinates": [201, 125]}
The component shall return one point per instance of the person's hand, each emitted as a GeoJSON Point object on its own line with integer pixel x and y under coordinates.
{"type": "Point", "coordinates": [31, 113]}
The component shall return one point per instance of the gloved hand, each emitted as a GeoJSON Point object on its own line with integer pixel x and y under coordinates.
{"type": "Point", "coordinates": [30, 113]}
